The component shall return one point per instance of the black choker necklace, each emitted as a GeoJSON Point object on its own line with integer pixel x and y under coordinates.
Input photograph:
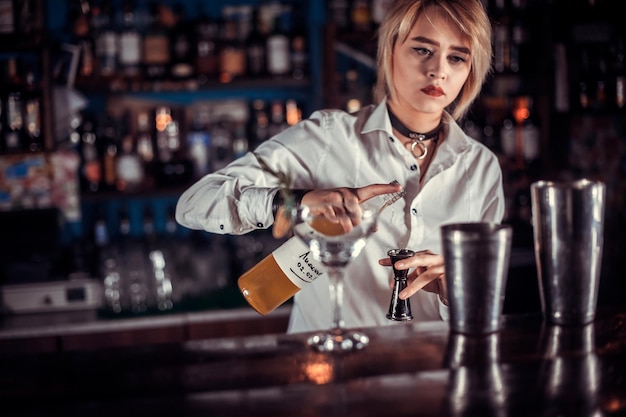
{"type": "Point", "coordinates": [415, 137]}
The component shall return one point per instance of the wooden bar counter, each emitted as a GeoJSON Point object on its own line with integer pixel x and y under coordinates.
{"type": "Point", "coordinates": [412, 369]}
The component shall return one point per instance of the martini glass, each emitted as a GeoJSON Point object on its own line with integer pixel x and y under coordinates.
{"type": "Point", "coordinates": [335, 245]}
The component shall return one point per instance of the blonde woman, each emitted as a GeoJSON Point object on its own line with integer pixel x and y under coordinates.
{"type": "Point", "coordinates": [433, 57]}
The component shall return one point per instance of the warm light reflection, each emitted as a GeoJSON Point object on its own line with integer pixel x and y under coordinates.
{"type": "Point", "coordinates": [319, 372]}
{"type": "Point", "coordinates": [613, 404]}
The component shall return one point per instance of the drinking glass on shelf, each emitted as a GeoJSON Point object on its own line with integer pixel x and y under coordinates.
{"type": "Point", "coordinates": [335, 245]}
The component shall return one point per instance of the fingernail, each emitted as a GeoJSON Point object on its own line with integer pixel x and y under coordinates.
{"type": "Point", "coordinates": [403, 294]}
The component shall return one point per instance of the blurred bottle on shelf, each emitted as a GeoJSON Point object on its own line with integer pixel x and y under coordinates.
{"type": "Point", "coordinates": [129, 169]}
{"type": "Point", "coordinates": [199, 141]}
{"type": "Point", "coordinates": [240, 140]}
{"type": "Point", "coordinates": [361, 16]}
{"type": "Point", "coordinates": [258, 123]}
{"type": "Point", "coordinates": [232, 55]}
{"type": "Point", "coordinates": [156, 53]}
{"type": "Point", "coordinates": [13, 139]}
{"type": "Point", "coordinates": [293, 114]}
{"type": "Point", "coordinates": [91, 165]}
{"type": "Point", "coordinates": [105, 39]}
{"type": "Point", "coordinates": [109, 138]}
{"type": "Point", "coordinates": [82, 32]}
{"type": "Point", "coordinates": [278, 121]}
{"type": "Point", "coordinates": [221, 150]}
{"type": "Point", "coordinates": [182, 59]}
{"type": "Point", "coordinates": [33, 108]}
{"type": "Point", "coordinates": [278, 53]}
{"type": "Point", "coordinates": [207, 48]}
{"type": "Point", "coordinates": [256, 54]}
{"type": "Point", "coordinates": [129, 42]}
{"type": "Point", "coordinates": [299, 50]}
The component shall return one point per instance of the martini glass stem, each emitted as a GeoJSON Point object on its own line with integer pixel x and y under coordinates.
{"type": "Point", "coordinates": [336, 297]}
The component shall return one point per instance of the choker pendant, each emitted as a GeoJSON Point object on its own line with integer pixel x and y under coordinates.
{"type": "Point", "coordinates": [417, 138]}
{"type": "Point", "coordinates": [421, 146]}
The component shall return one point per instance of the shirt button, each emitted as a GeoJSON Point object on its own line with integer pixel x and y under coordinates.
{"type": "Point", "coordinates": [221, 227]}
{"type": "Point", "coordinates": [414, 211]}
{"type": "Point", "coordinates": [259, 225]}
{"type": "Point", "coordinates": [391, 139]}
{"type": "Point", "coordinates": [413, 167]}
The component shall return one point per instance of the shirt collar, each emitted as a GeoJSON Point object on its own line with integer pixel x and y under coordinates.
{"type": "Point", "coordinates": [456, 139]}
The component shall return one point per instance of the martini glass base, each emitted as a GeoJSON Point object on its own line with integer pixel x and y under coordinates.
{"type": "Point", "coordinates": [338, 340]}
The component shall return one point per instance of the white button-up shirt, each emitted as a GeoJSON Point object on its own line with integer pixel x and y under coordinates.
{"type": "Point", "coordinates": [335, 149]}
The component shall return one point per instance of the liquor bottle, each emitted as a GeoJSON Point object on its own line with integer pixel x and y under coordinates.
{"type": "Point", "coordinates": [285, 271]}
{"type": "Point", "coordinates": [278, 122]}
{"type": "Point", "coordinates": [355, 96]}
{"type": "Point", "coordinates": [221, 150]}
{"type": "Point", "coordinates": [156, 47]}
{"type": "Point", "coordinates": [83, 37]}
{"type": "Point", "coordinates": [338, 12]}
{"type": "Point", "coordinates": [299, 53]}
{"type": "Point", "coordinates": [232, 55]}
{"type": "Point", "coordinates": [182, 66]}
{"type": "Point", "coordinates": [259, 123]}
{"type": "Point", "coordinates": [207, 47]}
{"type": "Point", "coordinates": [256, 55]}
{"type": "Point", "coordinates": [33, 114]}
{"type": "Point", "coordinates": [110, 147]}
{"type": "Point", "coordinates": [91, 165]}
{"type": "Point", "coordinates": [163, 122]}
{"type": "Point", "coordinates": [278, 55]}
{"type": "Point", "coordinates": [293, 113]}
{"type": "Point", "coordinates": [13, 103]}
{"type": "Point", "coordinates": [145, 145]}
{"type": "Point", "coordinates": [361, 16]}
{"type": "Point", "coordinates": [105, 40]}
{"type": "Point", "coordinates": [199, 142]}
{"type": "Point", "coordinates": [8, 23]}
{"type": "Point", "coordinates": [129, 42]}
{"type": "Point", "coordinates": [240, 140]}
{"type": "Point", "coordinates": [129, 170]}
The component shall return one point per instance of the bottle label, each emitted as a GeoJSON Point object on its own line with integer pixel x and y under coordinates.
{"type": "Point", "coordinates": [295, 259]}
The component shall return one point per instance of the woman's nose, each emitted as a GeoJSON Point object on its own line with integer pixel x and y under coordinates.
{"type": "Point", "coordinates": [437, 69]}
{"type": "Point", "coordinates": [434, 73]}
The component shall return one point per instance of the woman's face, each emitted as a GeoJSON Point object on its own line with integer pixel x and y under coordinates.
{"type": "Point", "coordinates": [431, 66]}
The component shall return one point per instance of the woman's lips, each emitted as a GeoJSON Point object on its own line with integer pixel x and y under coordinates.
{"type": "Point", "coordinates": [433, 91]}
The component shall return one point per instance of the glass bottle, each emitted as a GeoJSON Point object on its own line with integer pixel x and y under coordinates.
{"type": "Point", "coordinates": [256, 53]}
{"type": "Point", "coordinates": [207, 31]}
{"type": "Point", "coordinates": [33, 114]}
{"type": "Point", "coordinates": [232, 56]}
{"type": "Point", "coordinates": [259, 123]}
{"type": "Point", "coordinates": [82, 32]}
{"type": "Point", "coordinates": [278, 55]}
{"type": "Point", "coordinates": [278, 122]}
{"type": "Point", "coordinates": [156, 47]}
{"type": "Point", "coordinates": [129, 170]}
{"type": "Point", "coordinates": [13, 140]}
{"type": "Point", "coordinates": [299, 52]}
{"type": "Point", "coordinates": [110, 149]}
{"type": "Point", "coordinates": [91, 165]}
{"type": "Point", "coordinates": [285, 271]}
{"type": "Point", "coordinates": [182, 66]}
{"type": "Point", "coordinates": [105, 41]}
{"type": "Point", "coordinates": [199, 141]}
{"type": "Point", "coordinates": [129, 42]}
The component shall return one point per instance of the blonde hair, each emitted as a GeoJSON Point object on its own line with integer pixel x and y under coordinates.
{"type": "Point", "coordinates": [469, 16]}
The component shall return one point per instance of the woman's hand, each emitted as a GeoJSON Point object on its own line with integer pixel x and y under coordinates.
{"type": "Point", "coordinates": [348, 199]}
{"type": "Point", "coordinates": [428, 274]}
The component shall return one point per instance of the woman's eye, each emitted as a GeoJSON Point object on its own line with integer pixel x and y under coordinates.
{"type": "Point", "coordinates": [457, 59]}
{"type": "Point", "coordinates": [423, 51]}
